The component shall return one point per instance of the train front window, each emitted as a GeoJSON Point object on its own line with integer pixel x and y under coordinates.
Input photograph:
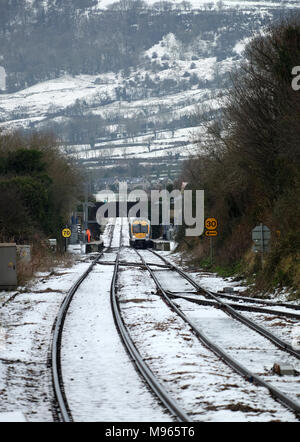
{"type": "Point", "coordinates": [138, 228]}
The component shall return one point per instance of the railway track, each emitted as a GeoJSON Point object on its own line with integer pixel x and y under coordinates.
{"type": "Point", "coordinates": [156, 386]}
{"type": "Point", "coordinates": [240, 302]}
{"type": "Point", "coordinates": [218, 350]}
{"type": "Point", "coordinates": [230, 309]}
{"type": "Point", "coordinates": [266, 302]}
{"type": "Point", "coordinates": [55, 357]}
{"type": "Point", "coordinates": [195, 298]}
{"type": "Point", "coordinates": [236, 306]}
{"type": "Point", "coordinates": [64, 411]}
{"type": "Point", "coordinates": [165, 398]}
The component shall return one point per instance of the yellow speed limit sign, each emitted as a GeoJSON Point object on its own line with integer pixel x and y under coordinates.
{"type": "Point", "coordinates": [66, 233]}
{"type": "Point", "coordinates": [211, 223]}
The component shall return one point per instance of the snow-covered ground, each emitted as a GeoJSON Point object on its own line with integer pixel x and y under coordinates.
{"type": "Point", "coordinates": [38, 100]}
{"type": "Point", "coordinates": [206, 388]}
{"type": "Point", "coordinates": [101, 382]}
{"type": "Point", "coordinates": [26, 323]}
{"type": "Point", "coordinates": [216, 4]}
{"type": "Point", "coordinates": [283, 327]}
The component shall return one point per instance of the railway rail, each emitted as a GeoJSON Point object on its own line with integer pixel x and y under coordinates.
{"type": "Point", "coordinates": [64, 410]}
{"type": "Point", "coordinates": [193, 296]}
{"type": "Point", "coordinates": [220, 352]}
{"type": "Point", "coordinates": [236, 306]}
{"type": "Point", "coordinates": [228, 308]}
{"type": "Point", "coordinates": [55, 357]}
{"type": "Point", "coordinates": [169, 297]}
{"type": "Point", "coordinates": [143, 368]}
{"type": "Point", "coordinates": [266, 302]}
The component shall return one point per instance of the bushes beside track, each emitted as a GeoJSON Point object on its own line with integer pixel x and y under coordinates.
{"type": "Point", "coordinates": [38, 188]}
{"type": "Point", "coordinates": [250, 165]}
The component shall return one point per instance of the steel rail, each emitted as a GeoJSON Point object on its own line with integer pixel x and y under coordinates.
{"type": "Point", "coordinates": [235, 365]}
{"type": "Point", "coordinates": [132, 264]}
{"type": "Point", "coordinates": [267, 302]}
{"type": "Point", "coordinates": [236, 306]}
{"type": "Point", "coordinates": [55, 356]}
{"type": "Point", "coordinates": [245, 300]}
{"type": "Point", "coordinates": [141, 365]}
{"type": "Point", "coordinates": [233, 313]}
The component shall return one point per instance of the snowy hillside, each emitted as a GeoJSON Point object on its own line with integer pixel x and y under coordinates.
{"type": "Point", "coordinates": [152, 85]}
{"type": "Point", "coordinates": [47, 104]}
{"type": "Point", "coordinates": [213, 4]}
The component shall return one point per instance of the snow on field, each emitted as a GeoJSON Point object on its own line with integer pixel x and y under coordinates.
{"type": "Point", "coordinates": [41, 99]}
{"type": "Point", "coordinates": [182, 142]}
{"type": "Point", "coordinates": [240, 46]}
{"type": "Point", "coordinates": [48, 102]}
{"type": "Point", "coordinates": [203, 4]}
{"type": "Point", "coordinates": [12, 417]}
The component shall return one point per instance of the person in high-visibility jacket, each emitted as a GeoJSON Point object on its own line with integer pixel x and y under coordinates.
{"type": "Point", "coordinates": [88, 235]}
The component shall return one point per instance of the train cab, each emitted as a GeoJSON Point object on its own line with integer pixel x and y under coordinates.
{"type": "Point", "coordinates": [140, 233]}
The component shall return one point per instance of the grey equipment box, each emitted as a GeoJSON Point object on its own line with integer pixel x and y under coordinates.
{"type": "Point", "coordinates": [8, 266]}
{"type": "Point", "coordinates": [161, 245]}
{"type": "Point", "coordinates": [94, 247]}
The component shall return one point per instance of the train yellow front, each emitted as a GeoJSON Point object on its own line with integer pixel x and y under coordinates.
{"type": "Point", "coordinates": [140, 233]}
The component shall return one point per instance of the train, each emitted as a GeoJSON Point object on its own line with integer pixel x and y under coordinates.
{"type": "Point", "coordinates": [140, 233]}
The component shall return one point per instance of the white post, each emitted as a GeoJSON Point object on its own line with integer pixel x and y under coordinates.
{"type": "Point", "coordinates": [262, 244]}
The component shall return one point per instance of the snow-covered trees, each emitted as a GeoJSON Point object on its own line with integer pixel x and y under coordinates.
{"type": "Point", "coordinates": [114, 39]}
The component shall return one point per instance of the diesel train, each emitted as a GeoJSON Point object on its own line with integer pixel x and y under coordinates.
{"type": "Point", "coordinates": [140, 233]}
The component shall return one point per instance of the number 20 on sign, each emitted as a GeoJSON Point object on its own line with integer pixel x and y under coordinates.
{"type": "Point", "coordinates": [66, 233]}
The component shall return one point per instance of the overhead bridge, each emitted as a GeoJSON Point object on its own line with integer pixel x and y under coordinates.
{"type": "Point", "coordinates": [115, 208]}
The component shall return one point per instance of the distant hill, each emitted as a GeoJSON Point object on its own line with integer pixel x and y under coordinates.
{"type": "Point", "coordinates": [123, 81]}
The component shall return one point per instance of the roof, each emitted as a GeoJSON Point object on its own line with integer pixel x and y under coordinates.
{"type": "Point", "coordinates": [138, 220]}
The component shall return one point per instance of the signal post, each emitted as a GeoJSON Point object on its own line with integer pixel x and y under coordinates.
{"type": "Point", "coordinates": [211, 225]}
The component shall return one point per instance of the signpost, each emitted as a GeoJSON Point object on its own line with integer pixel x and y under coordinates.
{"type": "Point", "coordinates": [210, 225]}
{"type": "Point", "coordinates": [66, 233]}
{"type": "Point", "coordinates": [211, 233]}
{"type": "Point", "coordinates": [261, 236]}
